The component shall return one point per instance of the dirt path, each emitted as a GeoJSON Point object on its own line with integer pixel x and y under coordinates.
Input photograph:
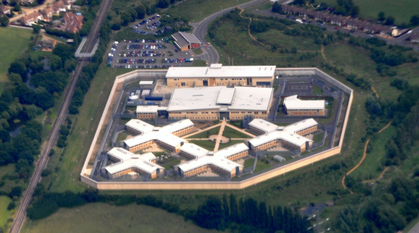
{"type": "Point", "coordinates": [379, 177]}
{"type": "Point", "coordinates": [324, 56]}
{"type": "Point", "coordinates": [363, 157]}
{"type": "Point", "coordinates": [375, 92]}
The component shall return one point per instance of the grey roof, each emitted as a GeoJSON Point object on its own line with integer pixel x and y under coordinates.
{"type": "Point", "coordinates": [183, 39]}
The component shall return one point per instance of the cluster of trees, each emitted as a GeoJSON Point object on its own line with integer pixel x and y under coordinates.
{"type": "Point", "coordinates": [353, 78]}
{"type": "Point", "coordinates": [64, 132]}
{"type": "Point", "coordinates": [248, 215]}
{"type": "Point", "coordinates": [4, 21]}
{"type": "Point", "coordinates": [346, 7]}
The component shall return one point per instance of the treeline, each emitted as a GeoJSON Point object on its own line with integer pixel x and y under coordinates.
{"type": "Point", "coordinates": [248, 215]}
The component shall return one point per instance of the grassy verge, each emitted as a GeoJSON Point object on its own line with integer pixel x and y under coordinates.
{"type": "Point", "coordinates": [104, 218]}
{"type": "Point", "coordinates": [197, 51]}
{"type": "Point", "coordinates": [199, 63]}
{"type": "Point", "coordinates": [14, 42]}
{"type": "Point", "coordinates": [318, 137]}
{"type": "Point", "coordinates": [72, 159]}
{"type": "Point", "coordinates": [317, 90]}
{"type": "Point", "coordinates": [4, 213]}
{"type": "Point", "coordinates": [232, 133]}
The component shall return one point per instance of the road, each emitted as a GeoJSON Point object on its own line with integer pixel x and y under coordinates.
{"type": "Point", "coordinates": [200, 30]}
{"type": "Point", "coordinates": [29, 10]}
{"type": "Point", "coordinates": [62, 114]}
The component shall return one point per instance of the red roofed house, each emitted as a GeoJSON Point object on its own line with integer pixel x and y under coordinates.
{"type": "Point", "coordinates": [4, 10]}
{"type": "Point", "coordinates": [73, 23]}
{"type": "Point", "coordinates": [59, 6]}
{"type": "Point", "coordinates": [32, 18]}
{"type": "Point", "coordinates": [48, 13]}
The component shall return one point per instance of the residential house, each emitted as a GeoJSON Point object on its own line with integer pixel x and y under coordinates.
{"type": "Point", "coordinates": [414, 38]}
{"type": "Point", "coordinates": [353, 24]}
{"type": "Point", "coordinates": [4, 10]}
{"type": "Point", "coordinates": [27, 1]}
{"type": "Point", "coordinates": [32, 18]}
{"type": "Point", "coordinates": [48, 13]}
{"type": "Point", "coordinates": [59, 6]}
{"type": "Point", "coordinates": [68, 4]}
{"type": "Point", "coordinates": [73, 22]}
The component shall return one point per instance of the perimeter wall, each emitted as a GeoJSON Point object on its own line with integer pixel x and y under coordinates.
{"type": "Point", "coordinates": [85, 173]}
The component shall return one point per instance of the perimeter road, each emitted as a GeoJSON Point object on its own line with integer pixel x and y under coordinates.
{"type": "Point", "coordinates": [62, 114]}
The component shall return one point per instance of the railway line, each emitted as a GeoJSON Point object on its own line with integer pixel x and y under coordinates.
{"type": "Point", "coordinates": [62, 114]}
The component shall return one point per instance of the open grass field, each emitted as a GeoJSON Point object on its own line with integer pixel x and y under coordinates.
{"type": "Point", "coordinates": [14, 42]}
{"type": "Point", "coordinates": [4, 213]}
{"type": "Point", "coordinates": [369, 169]}
{"type": "Point", "coordinates": [207, 133]}
{"type": "Point", "coordinates": [105, 218]}
{"type": "Point", "coordinates": [201, 8]}
{"type": "Point", "coordinates": [84, 129]}
{"type": "Point", "coordinates": [401, 10]}
{"type": "Point", "coordinates": [232, 133]}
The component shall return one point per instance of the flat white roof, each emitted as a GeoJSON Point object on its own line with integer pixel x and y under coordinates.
{"type": "Point", "coordinates": [225, 96]}
{"type": "Point", "coordinates": [147, 109]}
{"type": "Point", "coordinates": [219, 71]}
{"type": "Point", "coordinates": [201, 98]}
{"type": "Point", "coordinates": [131, 160]}
{"type": "Point", "coordinates": [273, 132]}
{"type": "Point", "coordinates": [140, 126]}
{"type": "Point", "coordinates": [204, 157]}
{"type": "Point", "coordinates": [146, 82]}
{"type": "Point", "coordinates": [292, 103]}
{"type": "Point", "coordinates": [163, 134]}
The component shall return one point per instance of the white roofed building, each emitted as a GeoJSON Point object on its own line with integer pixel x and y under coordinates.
{"type": "Point", "coordinates": [221, 162]}
{"type": "Point", "coordinates": [146, 111]}
{"type": "Point", "coordinates": [214, 103]}
{"type": "Point", "coordinates": [219, 75]}
{"type": "Point", "coordinates": [126, 162]}
{"type": "Point", "coordinates": [166, 136]}
{"type": "Point", "coordinates": [297, 107]}
{"type": "Point", "coordinates": [291, 136]}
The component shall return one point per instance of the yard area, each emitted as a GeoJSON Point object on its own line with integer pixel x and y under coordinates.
{"type": "Point", "coordinates": [230, 143]}
{"type": "Point", "coordinates": [232, 133]}
{"type": "Point", "coordinates": [14, 42]}
{"type": "Point", "coordinates": [100, 217]}
{"type": "Point", "coordinates": [206, 144]}
{"type": "Point", "coordinates": [207, 133]}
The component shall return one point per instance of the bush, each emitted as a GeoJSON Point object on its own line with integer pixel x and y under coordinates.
{"type": "Point", "coordinates": [16, 191]}
{"type": "Point", "coordinates": [45, 173]}
{"type": "Point", "coordinates": [11, 205]}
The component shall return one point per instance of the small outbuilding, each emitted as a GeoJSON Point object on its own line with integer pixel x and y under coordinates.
{"type": "Point", "coordinates": [185, 41]}
{"type": "Point", "coordinates": [279, 158]}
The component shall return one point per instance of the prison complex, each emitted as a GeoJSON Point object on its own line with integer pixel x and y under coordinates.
{"type": "Point", "coordinates": [219, 75]}
{"type": "Point", "coordinates": [290, 137]}
{"type": "Point", "coordinates": [214, 103]}
{"type": "Point", "coordinates": [126, 162]}
{"type": "Point", "coordinates": [297, 107]}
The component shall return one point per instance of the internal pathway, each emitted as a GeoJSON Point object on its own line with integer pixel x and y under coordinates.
{"type": "Point", "coordinates": [220, 134]}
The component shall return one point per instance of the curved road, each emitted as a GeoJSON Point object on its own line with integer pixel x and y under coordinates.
{"type": "Point", "coordinates": [62, 114]}
{"type": "Point", "coordinates": [201, 28]}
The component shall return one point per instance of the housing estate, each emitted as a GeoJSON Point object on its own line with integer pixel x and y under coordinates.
{"type": "Point", "coordinates": [290, 137]}
{"type": "Point", "coordinates": [297, 107]}
{"type": "Point", "coordinates": [4, 10]}
{"type": "Point", "coordinates": [126, 162]}
{"type": "Point", "coordinates": [166, 137]}
{"type": "Point", "coordinates": [219, 75]}
{"type": "Point", "coordinates": [32, 18]}
{"type": "Point", "coordinates": [220, 162]}
{"type": "Point", "coordinates": [73, 22]}
{"type": "Point", "coordinates": [214, 103]}
{"type": "Point", "coordinates": [185, 41]}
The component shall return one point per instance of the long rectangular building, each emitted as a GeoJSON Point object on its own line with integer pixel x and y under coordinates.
{"type": "Point", "coordinates": [219, 75]}
{"type": "Point", "coordinates": [214, 103]}
{"type": "Point", "coordinates": [297, 107]}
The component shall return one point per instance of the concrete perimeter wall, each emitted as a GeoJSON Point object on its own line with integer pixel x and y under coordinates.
{"type": "Point", "coordinates": [217, 185]}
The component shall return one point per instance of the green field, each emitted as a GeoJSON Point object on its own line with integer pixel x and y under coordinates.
{"type": "Point", "coordinates": [207, 133]}
{"type": "Point", "coordinates": [199, 63]}
{"type": "Point", "coordinates": [197, 51]}
{"type": "Point", "coordinates": [4, 213]}
{"type": "Point", "coordinates": [14, 42]}
{"type": "Point", "coordinates": [372, 166]}
{"type": "Point", "coordinates": [206, 144]}
{"type": "Point", "coordinates": [104, 218]}
{"type": "Point", "coordinates": [201, 8]}
{"type": "Point", "coordinates": [230, 143]}
{"type": "Point", "coordinates": [401, 10]}
{"type": "Point", "coordinates": [232, 133]}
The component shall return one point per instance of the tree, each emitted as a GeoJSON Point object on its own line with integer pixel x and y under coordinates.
{"type": "Point", "coordinates": [70, 64]}
{"type": "Point", "coordinates": [36, 28]}
{"type": "Point", "coordinates": [381, 16]}
{"type": "Point", "coordinates": [354, 11]}
{"type": "Point", "coordinates": [414, 20]}
{"type": "Point", "coordinates": [18, 67]}
{"type": "Point", "coordinates": [55, 62]}
{"type": "Point", "coordinates": [210, 214]}
{"type": "Point", "coordinates": [276, 7]}
{"type": "Point", "coordinates": [163, 3]}
{"type": "Point", "coordinates": [140, 9]}
{"type": "Point", "coordinates": [4, 21]}
{"type": "Point", "coordinates": [4, 135]}
{"type": "Point", "coordinates": [390, 20]}
{"type": "Point", "coordinates": [226, 209]}
{"type": "Point", "coordinates": [234, 211]}
{"type": "Point", "coordinates": [43, 98]}
{"type": "Point", "coordinates": [299, 2]}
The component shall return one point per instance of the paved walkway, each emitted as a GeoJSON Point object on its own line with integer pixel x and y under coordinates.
{"type": "Point", "coordinates": [220, 134]}
{"type": "Point", "coordinates": [241, 130]}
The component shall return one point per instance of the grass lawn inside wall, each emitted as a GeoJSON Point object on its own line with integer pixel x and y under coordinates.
{"type": "Point", "coordinates": [207, 133]}
{"type": "Point", "coordinates": [232, 133]}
